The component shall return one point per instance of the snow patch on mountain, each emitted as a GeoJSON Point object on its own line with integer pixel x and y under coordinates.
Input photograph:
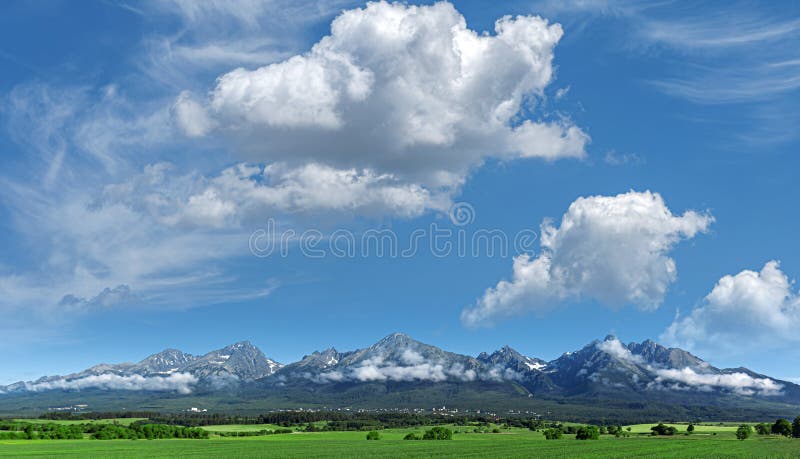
{"type": "Point", "coordinates": [536, 366]}
{"type": "Point", "coordinates": [702, 378]}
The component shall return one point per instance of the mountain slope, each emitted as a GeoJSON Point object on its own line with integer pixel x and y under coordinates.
{"type": "Point", "coordinates": [168, 370]}
{"type": "Point", "coordinates": [398, 371]}
{"type": "Point", "coordinates": [242, 360]}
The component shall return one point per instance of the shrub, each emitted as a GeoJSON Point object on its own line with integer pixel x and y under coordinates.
{"type": "Point", "coordinates": [412, 436]}
{"type": "Point", "coordinates": [438, 433]}
{"type": "Point", "coordinates": [552, 434]}
{"type": "Point", "coordinates": [373, 435]}
{"type": "Point", "coordinates": [662, 429]}
{"type": "Point", "coordinates": [763, 428]}
{"type": "Point", "coordinates": [587, 433]}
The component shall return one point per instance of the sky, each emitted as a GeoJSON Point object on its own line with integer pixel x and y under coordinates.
{"type": "Point", "coordinates": [191, 174]}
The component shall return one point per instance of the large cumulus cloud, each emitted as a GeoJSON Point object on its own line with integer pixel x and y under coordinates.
{"type": "Point", "coordinates": [613, 249]}
{"type": "Point", "coordinates": [402, 91]}
{"type": "Point", "coordinates": [758, 308]}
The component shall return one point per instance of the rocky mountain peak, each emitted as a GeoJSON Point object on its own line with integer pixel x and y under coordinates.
{"type": "Point", "coordinates": [166, 361]}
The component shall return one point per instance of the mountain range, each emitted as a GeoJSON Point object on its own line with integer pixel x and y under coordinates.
{"type": "Point", "coordinates": [400, 372]}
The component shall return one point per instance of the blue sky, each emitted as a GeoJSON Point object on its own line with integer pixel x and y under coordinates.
{"type": "Point", "coordinates": [136, 162]}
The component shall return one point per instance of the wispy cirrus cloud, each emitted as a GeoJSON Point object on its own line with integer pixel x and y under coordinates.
{"type": "Point", "coordinates": [736, 54]}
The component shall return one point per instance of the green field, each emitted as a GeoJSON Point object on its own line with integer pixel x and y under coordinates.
{"type": "Point", "coordinates": [510, 443]}
{"type": "Point", "coordinates": [699, 429]}
{"type": "Point", "coordinates": [240, 427]}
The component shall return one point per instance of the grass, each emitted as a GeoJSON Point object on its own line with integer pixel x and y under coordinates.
{"type": "Point", "coordinates": [511, 443]}
{"type": "Point", "coordinates": [709, 428]}
{"type": "Point", "coordinates": [241, 427]}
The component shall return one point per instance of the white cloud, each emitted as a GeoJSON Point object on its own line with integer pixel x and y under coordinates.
{"type": "Point", "coordinates": [749, 311]}
{"type": "Point", "coordinates": [100, 244]}
{"type": "Point", "coordinates": [403, 91]}
{"type": "Point", "coordinates": [562, 92]}
{"type": "Point", "coordinates": [613, 249]}
{"type": "Point", "coordinates": [222, 380]}
{"type": "Point", "coordinates": [244, 13]}
{"type": "Point", "coordinates": [371, 371]}
{"type": "Point", "coordinates": [71, 132]}
{"type": "Point", "coordinates": [195, 40]}
{"type": "Point", "coordinates": [618, 350]}
{"type": "Point", "coordinates": [412, 366]}
{"type": "Point", "coordinates": [718, 54]}
{"type": "Point", "coordinates": [689, 377]}
{"type": "Point", "coordinates": [191, 117]}
{"type": "Point", "coordinates": [721, 31]}
{"type": "Point", "coordinates": [740, 383]}
{"type": "Point", "coordinates": [613, 158]}
{"type": "Point", "coordinates": [317, 188]}
{"type": "Point", "coordinates": [108, 298]}
{"type": "Point", "coordinates": [549, 140]}
{"type": "Point", "coordinates": [411, 357]}
{"type": "Point", "coordinates": [177, 382]}
{"type": "Point", "coordinates": [247, 192]}
{"type": "Point", "coordinates": [388, 116]}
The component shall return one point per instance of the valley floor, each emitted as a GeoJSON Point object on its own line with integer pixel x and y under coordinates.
{"type": "Point", "coordinates": [515, 443]}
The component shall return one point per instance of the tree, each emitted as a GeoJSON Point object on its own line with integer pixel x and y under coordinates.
{"type": "Point", "coordinates": [662, 429]}
{"type": "Point", "coordinates": [690, 428]}
{"type": "Point", "coordinates": [796, 427]}
{"type": "Point", "coordinates": [412, 436]}
{"type": "Point", "coordinates": [763, 428]}
{"type": "Point", "coordinates": [587, 433]}
{"type": "Point", "coordinates": [312, 428]}
{"type": "Point", "coordinates": [29, 433]}
{"type": "Point", "coordinates": [782, 427]}
{"type": "Point", "coordinates": [373, 435]}
{"type": "Point", "coordinates": [438, 433]}
{"type": "Point", "coordinates": [743, 432]}
{"type": "Point", "coordinates": [552, 434]}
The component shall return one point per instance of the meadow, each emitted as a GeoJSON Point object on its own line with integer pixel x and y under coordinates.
{"type": "Point", "coordinates": [709, 441]}
{"type": "Point", "coordinates": [240, 427]}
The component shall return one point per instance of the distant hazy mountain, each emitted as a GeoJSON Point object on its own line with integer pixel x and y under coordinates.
{"type": "Point", "coordinates": [168, 370]}
{"type": "Point", "coordinates": [400, 371]}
